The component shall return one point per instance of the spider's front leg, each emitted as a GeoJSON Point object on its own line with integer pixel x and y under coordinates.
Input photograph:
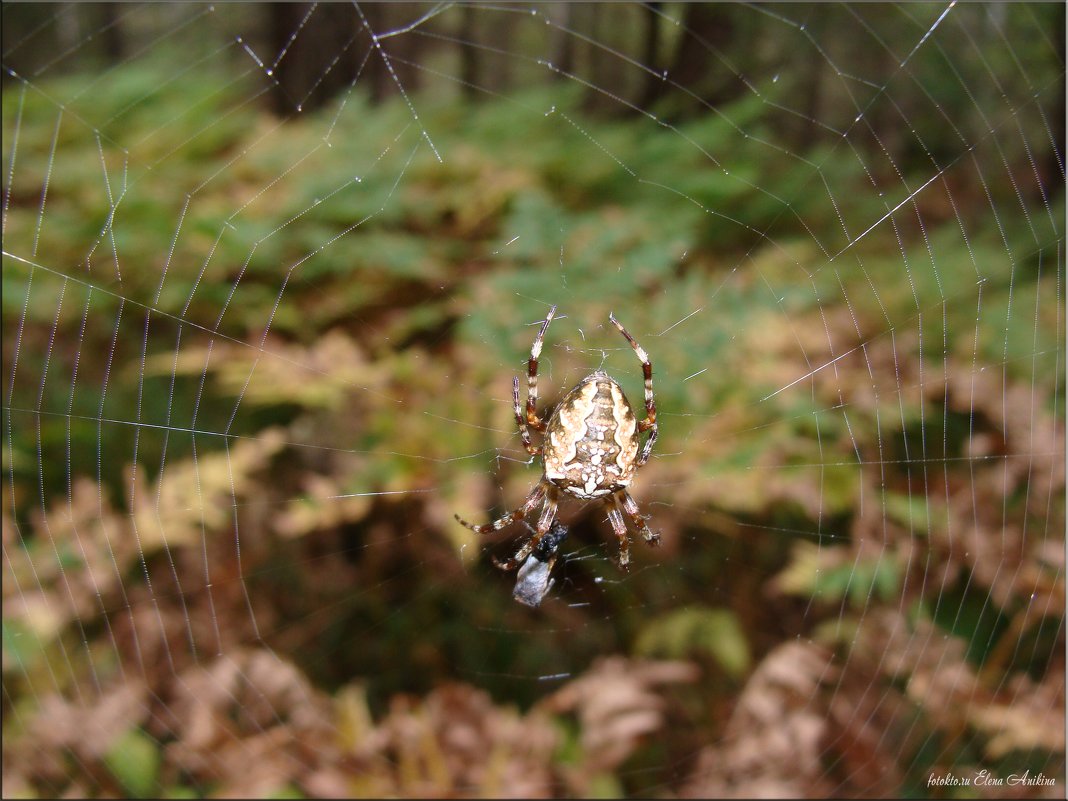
{"type": "Point", "coordinates": [533, 420]}
{"type": "Point", "coordinates": [524, 431]}
{"type": "Point", "coordinates": [649, 423]}
{"type": "Point", "coordinates": [530, 419]}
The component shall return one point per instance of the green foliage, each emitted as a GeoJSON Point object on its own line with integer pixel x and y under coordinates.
{"type": "Point", "coordinates": [134, 760]}
{"type": "Point", "coordinates": [21, 650]}
{"type": "Point", "coordinates": [829, 575]}
{"type": "Point", "coordinates": [697, 630]}
{"type": "Point", "coordinates": [969, 612]}
{"type": "Point", "coordinates": [913, 512]}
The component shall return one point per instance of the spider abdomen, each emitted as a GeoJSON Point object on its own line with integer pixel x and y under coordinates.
{"type": "Point", "coordinates": [591, 440]}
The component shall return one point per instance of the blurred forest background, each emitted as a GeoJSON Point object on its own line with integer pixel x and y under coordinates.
{"type": "Point", "coordinates": [267, 279]}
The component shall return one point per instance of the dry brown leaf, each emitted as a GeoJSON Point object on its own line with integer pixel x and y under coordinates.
{"type": "Point", "coordinates": [618, 702]}
{"type": "Point", "coordinates": [772, 744]}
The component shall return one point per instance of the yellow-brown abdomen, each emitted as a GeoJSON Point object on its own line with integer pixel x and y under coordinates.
{"type": "Point", "coordinates": [591, 440]}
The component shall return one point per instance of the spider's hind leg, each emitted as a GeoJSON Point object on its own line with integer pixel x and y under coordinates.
{"type": "Point", "coordinates": [634, 513]}
{"type": "Point", "coordinates": [615, 517]}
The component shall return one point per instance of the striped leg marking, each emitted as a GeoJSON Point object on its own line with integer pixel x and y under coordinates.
{"type": "Point", "coordinates": [545, 522]}
{"type": "Point", "coordinates": [631, 508]}
{"type": "Point", "coordinates": [649, 423]}
{"type": "Point", "coordinates": [619, 526]}
{"type": "Point", "coordinates": [533, 420]}
{"type": "Point", "coordinates": [535, 497]}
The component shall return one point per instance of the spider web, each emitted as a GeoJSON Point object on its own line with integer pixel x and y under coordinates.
{"type": "Point", "coordinates": [267, 276]}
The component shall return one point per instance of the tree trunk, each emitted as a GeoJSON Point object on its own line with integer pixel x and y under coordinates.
{"type": "Point", "coordinates": [305, 76]}
{"type": "Point", "coordinates": [404, 49]}
{"type": "Point", "coordinates": [1052, 170]}
{"type": "Point", "coordinates": [654, 84]}
{"type": "Point", "coordinates": [112, 34]}
{"type": "Point", "coordinates": [468, 53]}
{"type": "Point", "coordinates": [811, 88]}
{"type": "Point", "coordinates": [707, 29]}
{"type": "Point", "coordinates": [561, 40]}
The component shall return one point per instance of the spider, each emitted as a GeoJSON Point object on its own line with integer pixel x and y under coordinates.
{"type": "Point", "coordinates": [589, 449]}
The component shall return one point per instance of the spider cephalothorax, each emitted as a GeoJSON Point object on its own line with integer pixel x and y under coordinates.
{"type": "Point", "coordinates": [591, 449]}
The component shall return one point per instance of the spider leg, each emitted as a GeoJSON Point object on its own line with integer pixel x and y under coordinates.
{"type": "Point", "coordinates": [648, 448]}
{"type": "Point", "coordinates": [545, 522]}
{"type": "Point", "coordinates": [533, 420]}
{"type": "Point", "coordinates": [615, 517]}
{"type": "Point", "coordinates": [533, 499]}
{"type": "Point", "coordinates": [649, 423]}
{"type": "Point", "coordinates": [524, 431]}
{"type": "Point", "coordinates": [631, 508]}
